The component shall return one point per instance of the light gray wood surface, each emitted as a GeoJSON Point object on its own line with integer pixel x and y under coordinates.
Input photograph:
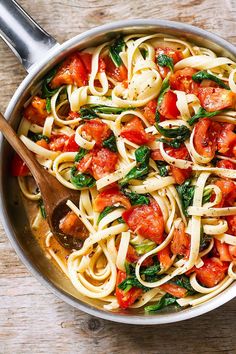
{"type": "Point", "coordinates": [32, 320]}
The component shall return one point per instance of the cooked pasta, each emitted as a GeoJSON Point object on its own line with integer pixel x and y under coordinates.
{"type": "Point", "coordinates": [143, 127]}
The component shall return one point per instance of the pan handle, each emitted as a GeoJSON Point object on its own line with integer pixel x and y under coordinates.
{"type": "Point", "coordinates": [23, 35]}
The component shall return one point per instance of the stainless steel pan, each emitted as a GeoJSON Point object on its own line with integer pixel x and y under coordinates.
{"type": "Point", "coordinates": [38, 52]}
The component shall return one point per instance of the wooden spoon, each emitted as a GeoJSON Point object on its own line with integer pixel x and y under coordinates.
{"type": "Point", "coordinates": [54, 194]}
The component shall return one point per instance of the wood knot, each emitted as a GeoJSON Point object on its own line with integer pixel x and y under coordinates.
{"type": "Point", "coordinates": [94, 324]}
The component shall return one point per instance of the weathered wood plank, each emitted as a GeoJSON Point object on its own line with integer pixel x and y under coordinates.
{"type": "Point", "coordinates": [32, 320]}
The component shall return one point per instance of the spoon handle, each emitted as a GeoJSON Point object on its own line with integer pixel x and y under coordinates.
{"type": "Point", "coordinates": [26, 155]}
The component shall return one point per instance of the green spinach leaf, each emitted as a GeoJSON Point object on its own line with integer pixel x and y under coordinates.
{"type": "Point", "coordinates": [105, 212]}
{"type": "Point", "coordinates": [82, 152]}
{"type": "Point", "coordinates": [47, 91]}
{"type": "Point", "coordinates": [110, 143]}
{"type": "Point", "coordinates": [165, 60]}
{"type": "Point", "coordinates": [165, 301]}
{"type": "Point", "coordinates": [186, 193]}
{"type": "Point", "coordinates": [42, 209]}
{"type": "Point", "coordinates": [115, 49]}
{"type": "Point", "coordinates": [81, 180]}
{"type": "Point", "coordinates": [202, 113]}
{"type": "Point", "coordinates": [204, 75]}
{"type": "Point", "coordinates": [162, 167]}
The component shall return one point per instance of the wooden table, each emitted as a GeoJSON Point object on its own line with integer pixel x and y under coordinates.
{"type": "Point", "coordinates": [32, 320]}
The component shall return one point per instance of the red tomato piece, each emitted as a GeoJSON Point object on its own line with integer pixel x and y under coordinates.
{"type": "Point", "coordinates": [205, 137]}
{"type": "Point", "coordinates": [173, 289]}
{"type": "Point", "coordinates": [36, 111]}
{"type": "Point", "coordinates": [168, 108]}
{"type": "Point", "coordinates": [135, 132]}
{"type": "Point", "coordinates": [146, 220]}
{"type": "Point", "coordinates": [71, 72]}
{"type": "Point", "coordinates": [180, 243]}
{"type": "Point", "coordinates": [231, 220]}
{"type": "Point", "coordinates": [149, 111]}
{"type": "Point", "coordinates": [179, 153]}
{"type": "Point", "coordinates": [182, 80]}
{"type": "Point", "coordinates": [228, 192]}
{"type": "Point", "coordinates": [223, 251]}
{"type": "Point", "coordinates": [117, 73]}
{"type": "Point", "coordinates": [232, 252]}
{"type": "Point", "coordinates": [18, 167]}
{"type": "Point", "coordinates": [87, 61]}
{"type": "Point", "coordinates": [156, 155]}
{"type": "Point", "coordinates": [226, 140]}
{"type": "Point", "coordinates": [126, 299]}
{"type": "Point", "coordinates": [164, 257]}
{"type": "Point", "coordinates": [71, 145]}
{"type": "Point", "coordinates": [72, 226]}
{"type": "Point", "coordinates": [214, 99]}
{"type": "Point", "coordinates": [212, 272]}
{"type": "Point", "coordinates": [110, 197]}
{"type": "Point", "coordinates": [176, 55]}
{"type": "Point", "coordinates": [226, 164]}
{"type": "Point", "coordinates": [180, 175]}
{"type": "Point", "coordinates": [57, 142]}
{"type": "Point", "coordinates": [95, 129]}
{"type": "Point", "coordinates": [43, 143]}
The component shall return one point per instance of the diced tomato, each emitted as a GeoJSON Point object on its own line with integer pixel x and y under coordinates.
{"type": "Point", "coordinates": [63, 143]}
{"type": "Point", "coordinates": [146, 220]}
{"type": "Point", "coordinates": [179, 153]}
{"type": "Point", "coordinates": [173, 289]}
{"type": "Point", "coordinates": [71, 145]}
{"type": "Point", "coordinates": [214, 99]}
{"type": "Point", "coordinates": [205, 137]}
{"type": "Point", "coordinates": [126, 299]}
{"type": "Point", "coordinates": [228, 192]}
{"type": "Point", "coordinates": [36, 111]}
{"type": "Point", "coordinates": [117, 73]}
{"type": "Point", "coordinates": [135, 132]}
{"type": "Point", "coordinates": [231, 220]}
{"type": "Point", "coordinates": [149, 111]}
{"type": "Point", "coordinates": [176, 55]}
{"type": "Point", "coordinates": [226, 140]}
{"type": "Point", "coordinates": [72, 226]}
{"type": "Point", "coordinates": [71, 72]}
{"type": "Point", "coordinates": [87, 60]}
{"type": "Point", "coordinates": [133, 257]}
{"type": "Point", "coordinates": [212, 272]}
{"type": "Point", "coordinates": [182, 80]}
{"type": "Point", "coordinates": [180, 243]}
{"type": "Point", "coordinates": [164, 257]}
{"type": "Point", "coordinates": [110, 197]}
{"type": "Point", "coordinates": [226, 164]}
{"type": "Point", "coordinates": [73, 115]}
{"type": "Point", "coordinates": [180, 175]}
{"type": "Point", "coordinates": [18, 167]}
{"type": "Point", "coordinates": [95, 129]}
{"type": "Point", "coordinates": [43, 143]}
{"type": "Point", "coordinates": [232, 252]}
{"type": "Point", "coordinates": [156, 155]}
{"type": "Point", "coordinates": [168, 108]}
{"type": "Point", "coordinates": [223, 250]}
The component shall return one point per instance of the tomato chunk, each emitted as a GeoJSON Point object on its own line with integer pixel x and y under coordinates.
{"type": "Point", "coordinates": [110, 197]}
{"type": "Point", "coordinates": [176, 55]}
{"type": "Point", "coordinates": [214, 99]}
{"type": "Point", "coordinates": [228, 192]}
{"type": "Point", "coordinates": [146, 220]}
{"type": "Point", "coordinates": [173, 289]}
{"type": "Point", "coordinates": [226, 164]}
{"type": "Point", "coordinates": [117, 73]}
{"type": "Point", "coordinates": [135, 132]}
{"type": "Point", "coordinates": [18, 167]}
{"type": "Point", "coordinates": [168, 108]}
{"type": "Point", "coordinates": [212, 272]}
{"type": "Point", "coordinates": [126, 299]}
{"type": "Point", "coordinates": [72, 71]}
{"type": "Point", "coordinates": [180, 243]}
{"type": "Point", "coordinates": [182, 80]}
{"type": "Point", "coordinates": [180, 175]}
{"type": "Point", "coordinates": [231, 220]}
{"type": "Point", "coordinates": [223, 250]}
{"type": "Point", "coordinates": [72, 226]}
{"type": "Point", "coordinates": [164, 257]}
{"type": "Point", "coordinates": [63, 143]}
{"type": "Point", "coordinates": [95, 129]}
{"type": "Point", "coordinates": [149, 111]}
{"type": "Point", "coordinates": [226, 140]}
{"type": "Point", "coordinates": [36, 111]}
{"type": "Point", "coordinates": [179, 153]}
{"type": "Point", "coordinates": [205, 137]}
{"type": "Point", "coordinates": [43, 143]}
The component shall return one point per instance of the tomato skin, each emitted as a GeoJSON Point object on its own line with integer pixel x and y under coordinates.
{"type": "Point", "coordinates": [180, 243]}
{"type": "Point", "coordinates": [95, 129]}
{"type": "Point", "coordinates": [109, 197]}
{"type": "Point", "coordinates": [63, 143]}
{"type": "Point", "coordinates": [174, 290]}
{"type": "Point", "coordinates": [212, 272]}
{"type": "Point", "coordinates": [232, 252]}
{"type": "Point", "coordinates": [71, 145]}
{"type": "Point", "coordinates": [156, 155]}
{"type": "Point", "coordinates": [214, 99]}
{"type": "Point", "coordinates": [223, 250]}
{"type": "Point", "coordinates": [226, 141]}
{"type": "Point", "coordinates": [149, 111]}
{"type": "Point", "coordinates": [231, 220]}
{"type": "Point", "coordinates": [117, 73]}
{"type": "Point", "coordinates": [72, 71]}
{"type": "Point", "coordinates": [164, 257]}
{"type": "Point", "coordinates": [182, 80]}
{"type": "Point", "coordinates": [87, 61]}
{"type": "Point", "coordinates": [226, 164]}
{"type": "Point", "coordinates": [36, 111]}
{"type": "Point", "coordinates": [43, 143]}
{"type": "Point", "coordinates": [176, 55]}
{"type": "Point", "coordinates": [146, 220]}
{"type": "Point", "coordinates": [180, 175]}
{"type": "Point", "coordinates": [179, 153]}
{"type": "Point", "coordinates": [126, 299]}
{"type": "Point", "coordinates": [18, 167]}
{"type": "Point", "coordinates": [168, 108]}
{"type": "Point", "coordinates": [205, 137]}
{"type": "Point", "coordinates": [135, 132]}
{"type": "Point", "coordinates": [228, 192]}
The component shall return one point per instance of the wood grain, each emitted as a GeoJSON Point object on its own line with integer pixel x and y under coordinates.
{"type": "Point", "coordinates": [32, 320]}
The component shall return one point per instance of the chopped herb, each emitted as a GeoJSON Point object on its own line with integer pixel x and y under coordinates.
{"type": "Point", "coordinates": [164, 60]}
{"type": "Point", "coordinates": [164, 88]}
{"type": "Point", "coordinates": [142, 155]}
{"type": "Point", "coordinates": [82, 152]}
{"type": "Point", "coordinates": [204, 75]}
{"type": "Point", "coordinates": [42, 209]}
{"type": "Point", "coordinates": [165, 301]}
{"type": "Point", "coordinates": [144, 53]}
{"type": "Point", "coordinates": [46, 89]}
{"type": "Point", "coordinates": [105, 212]}
{"type": "Point", "coordinates": [48, 105]}
{"type": "Point", "coordinates": [110, 143]}
{"type": "Point", "coordinates": [115, 49]}
{"type": "Point", "coordinates": [206, 195]}
{"type": "Point", "coordinates": [162, 167]}
{"type": "Point", "coordinates": [186, 193]}
{"type": "Point", "coordinates": [135, 198]}
{"type": "Point", "coordinates": [202, 113]}
{"type": "Point", "coordinates": [36, 137]}
{"type": "Point", "coordinates": [81, 180]}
